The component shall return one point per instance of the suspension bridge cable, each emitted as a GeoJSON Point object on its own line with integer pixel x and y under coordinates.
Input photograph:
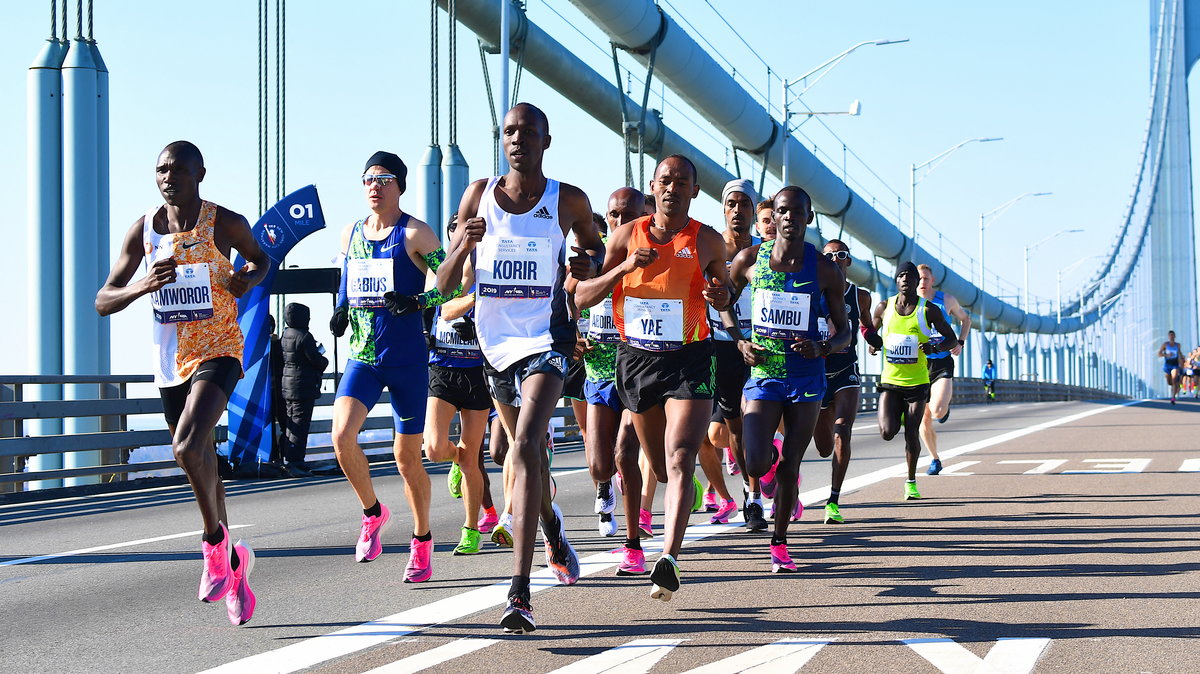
{"type": "Point", "coordinates": [433, 73]}
{"type": "Point", "coordinates": [452, 34]}
{"type": "Point", "coordinates": [54, 20]}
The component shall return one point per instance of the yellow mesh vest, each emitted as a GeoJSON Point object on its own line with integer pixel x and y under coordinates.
{"type": "Point", "coordinates": [903, 359]}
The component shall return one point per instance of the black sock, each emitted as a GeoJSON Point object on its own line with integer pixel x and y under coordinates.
{"type": "Point", "coordinates": [424, 539]}
{"type": "Point", "coordinates": [833, 496]}
{"type": "Point", "coordinates": [374, 511]}
{"type": "Point", "coordinates": [778, 540]}
{"type": "Point", "coordinates": [234, 562]}
{"type": "Point", "coordinates": [551, 529]}
{"type": "Point", "coordinates": [519, 587]}
{"type": "Point", "coordinates": [633, 543]}
{"type": "Point", "coordinates": [214, 538]}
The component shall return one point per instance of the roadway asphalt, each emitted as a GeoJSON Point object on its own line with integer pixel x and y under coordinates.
{"type": "Point", "coordinates": [1023, 566]}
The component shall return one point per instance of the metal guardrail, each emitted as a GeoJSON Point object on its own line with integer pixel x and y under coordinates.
{"type": "Point", "coordinates": [115, 441]}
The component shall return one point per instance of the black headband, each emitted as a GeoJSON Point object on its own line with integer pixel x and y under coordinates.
{"type": "Point", "coordinates": [390, 162]}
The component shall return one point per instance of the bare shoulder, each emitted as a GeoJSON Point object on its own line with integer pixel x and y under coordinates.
{"type": "Point", "coordinates": [572, 194]}
{"type": "Point", "coordinates": [228, 218]}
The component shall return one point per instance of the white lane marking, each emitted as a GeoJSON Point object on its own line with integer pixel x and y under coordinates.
{"type": "Point", "coordinates": [1040, 466]}
{"type": "Point", "coordinates": [434, 656]}
{"type": "Point", "coordinates": [954, 468]}
{"type": "Point", "coordinates": [1013, 656]}
{"type": "Point", "coordinates": [1190, 466]}
{"type": "Point", "coordinates": [782, 657]}
{"type": "Point", "coordinates": [636, 657]}
{"type": "Point", "coordinates": [313, 651]}
{"type": "Point", "coordinates": [1103, 466]}
{"type": "Point", "coordinates": [98, 548]}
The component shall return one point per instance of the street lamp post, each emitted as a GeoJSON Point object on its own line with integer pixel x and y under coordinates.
{"type": "Point", "coordinates": [995, 214]}
{"type": "Point", "coordinates": [1028, 250]}
{"type": "Point", "coordinates": [932, 163]}
{"type": "Point", "coordinates": [1058, 283]}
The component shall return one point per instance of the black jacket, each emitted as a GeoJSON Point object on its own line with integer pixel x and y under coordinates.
{"type": "Point", "coordinates": [303, 363]}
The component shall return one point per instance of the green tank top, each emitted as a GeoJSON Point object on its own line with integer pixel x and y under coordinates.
{"type": "Point", "coordinates": [903, 359]}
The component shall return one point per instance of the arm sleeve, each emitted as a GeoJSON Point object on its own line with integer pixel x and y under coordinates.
{"type": "Point", "coordinates": [431, 297]}
{"type": "Point", "coordinates": [341, 293]}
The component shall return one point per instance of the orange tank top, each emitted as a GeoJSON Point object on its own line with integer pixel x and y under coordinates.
{"type": "Point", "coordinates": [661, 307]}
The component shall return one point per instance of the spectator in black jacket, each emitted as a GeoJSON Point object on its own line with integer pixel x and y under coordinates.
{"type": "Point", "coordinates": [303, 364]}
{"type": "Point", "coordinates": [278, 406]}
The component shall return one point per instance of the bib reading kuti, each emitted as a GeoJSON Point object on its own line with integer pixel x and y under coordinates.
{"type": "Point", "coordinates": [601, 328]}
{"type": "Point", "coordinates": [654, 325]}
{"type": "Point", "coordinates": [901, 349]}
{"type": "Point", "coordinates": [516, 267]}
{"type": "Point", "coordinates": [189, 298]}
{"type": "Point", "coordinates": [367, 280]}
{"type": "Point", "coordinates": [781, 315]}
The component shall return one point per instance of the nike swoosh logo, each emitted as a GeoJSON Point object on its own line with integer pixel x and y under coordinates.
{"type": "Point", "coordinates": [407, 418]}
{"type": "Point", "coordinates": [387, 248]}
{"type": "Point", "coordinates": [810, 395]}
{"type": "Point", "coordinates": [797, 285]}
{"type": "Point", "coordinates": [192, 245]}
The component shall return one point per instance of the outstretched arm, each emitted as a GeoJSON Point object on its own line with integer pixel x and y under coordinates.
{"type": "Point", "coordinates": [469, 233]}
{"type": "Point", "coordinates": [864, 320]}
{"type": "Point", "coordinates": [956, 310]}
{"type": "Point", "coordinates": [617, 263]}
{"type": "Point", "coordinates": [938, 319]}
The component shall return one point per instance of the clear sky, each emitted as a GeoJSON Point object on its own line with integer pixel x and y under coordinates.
{"type": "Point", "coordinates": [1065, 85]}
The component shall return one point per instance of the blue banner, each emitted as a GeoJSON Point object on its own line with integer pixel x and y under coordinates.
{"type": "Point", "coordinates": [296, 216]}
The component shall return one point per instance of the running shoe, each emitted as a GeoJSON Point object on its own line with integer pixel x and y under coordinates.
{"type": "Point", "coordinates": [419, 568]}
{"type": "Point", "coordinates": [646, 524]}
{"type": "Point", "coordinates": [833, 515]}
{"type": "Point", "coordinates": [605, 500]}
{"type": "Point", "coordinates": [943, 419]}
{"type": "Point", "coordinates": [619, 483]}
{"type": "Point", "coordinates": [369, 544]}
{"type": "Point", "coordinates": [753, 514]}
{"type": "Point", "coordinates": [665, 578]}
{"type": "Point", "coordinates": [781, 562]}
{"type": "Point", "coordinates": [518, 617]}
{"type": "Point", "coordinates": [502, 533]}
{"type": "Point", "coordinates": [217, 578]}
{"type": "Point", "coordinates": [798, 509]}
{"type": "Point", "coordinates": [726, 510]}
{"type": "Point", "coordinates": [240, 601]}
{"type": "Point", "coordinates": [935, 467]}
{"type": "Point", "coordinates": [767, 482]}
{"type": "Point", "coordinates": [697, 495]}
{"type": "Point", "coordinates": [468, 542]}
{"type": "Point", "coordinates": [488, 521]}
{"type": "Point", "coordinates": [633, 562]}
{"type": "Point", "coordinates": [607, 525]}
{"type": "Point", "coordinates": [710, 502]}
{"type": "Point", "coordinates": [454, 480]}
{"type": "Point", "coordinates": [910, 491]}
{"type": "Point", "coordinates": [560, 556]}
{"type": "Point", "coordinates": [731, 464]}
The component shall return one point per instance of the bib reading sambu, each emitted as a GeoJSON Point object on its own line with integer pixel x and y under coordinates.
{"type": "Point", "coordinates": [515, 267]}
{"type": "Point", "coordinates": [654, 325]}
{"type": "Point", "coordinates": [447, 342]}
{"type": "Point", "coordinates": [901, 349]}
{"type": "Point", "coordinates": [367, 279]}
{"type": "Point", "coordinates": [189, 298]}
{"type": "Point", "coordinates": [781, 315]}
{"type": "Point", "coordinates": [601, 328]}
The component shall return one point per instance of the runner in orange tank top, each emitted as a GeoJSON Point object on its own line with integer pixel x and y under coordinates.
{"type": "Point", "coordinates": [656, 268]}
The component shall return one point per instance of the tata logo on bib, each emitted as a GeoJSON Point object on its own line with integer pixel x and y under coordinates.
{"type": "Point", "coordinates": [666, 305]}
{"type": "Point", "coordinates": [189, 272]}
{"type": "Point", "coordinates": [532, 246]}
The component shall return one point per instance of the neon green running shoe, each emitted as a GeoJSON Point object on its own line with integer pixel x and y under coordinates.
{"type": "Point", "coordinates": [454, 480]}
{"type": "Point", "coordinates": [469, 543]}
{"type": "Point", "coordinates": [910, 491]}
{"type": "Point", "coordinates": [832, 514]}
{"type": "Point", "coordinates": [697, 495]}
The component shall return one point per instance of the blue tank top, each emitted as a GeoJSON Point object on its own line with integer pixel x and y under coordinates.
{"type": "Point", "coordinates": [376, 336]}
{"type": "Point", "coordinates": [939, 299]}
{"type": "Point", "coordinates": [840, 360]}
{"type": "Point", "coordinates": [450, 350]}
{"type": "Point", "coordinates": [1171, 352]}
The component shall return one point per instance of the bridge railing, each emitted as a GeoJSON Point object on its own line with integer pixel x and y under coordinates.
{"type": "Point", "coordinates": [116, 441]}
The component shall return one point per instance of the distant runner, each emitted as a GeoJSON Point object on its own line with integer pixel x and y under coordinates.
{"type": "Point", "coordinates": [941, 365]}
{"type": "Point", "coordinates": [1169, 352]}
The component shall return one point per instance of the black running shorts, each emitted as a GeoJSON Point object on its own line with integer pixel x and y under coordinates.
{"type": "Point", "coordinates": [911, 394]}
{"type": "Point", "coordinates": [646, 379]}
{"type": "Point", "coordinates": [731, 375]}
{"type": "Point", "coordinates": [463, 387]}
{"type": "Point", "coordinates": [845, 378]}
{"type": "Point", "coordinates": [940, 368]}
{"type": "Point", "coordinates": [224, 372]}
{"type": "Point", "coordinates": [573, 386]}
{"type": "Point", "coordinates": [505, 385]}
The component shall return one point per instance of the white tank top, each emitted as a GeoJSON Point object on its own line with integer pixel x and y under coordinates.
{"type": "Point", "coordinates": [520, 302]}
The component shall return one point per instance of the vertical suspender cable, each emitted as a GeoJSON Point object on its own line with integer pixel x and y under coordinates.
{"type": "Point", "coordinates": [433, 73]}
{"type": "Point", "coordinates": [262, 122]}
{"type": "Point", "coordinates": [283, 100]}
{"type": "Point", "coordinates": [278, 89]}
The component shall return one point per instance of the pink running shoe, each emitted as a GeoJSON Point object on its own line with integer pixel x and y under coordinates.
{"type": "Point", "coordinates": [731, 465]}
{"type": "Point", "coordinates": [369, 544]}
{"type": "Point", "coordinates": [619, 483]}
{"type": "Point", "coordinates": [798, 510]}
{"type": "Point", "coordinates": [217, 578]}
{"type": "Point", "coordinates": [489, 521]}
{"type": "Point", "coordinates": [781, 562]}
{"type": "Point", "coordinates": [710, 502]}
{"type": "Point", "coordinates": [766, 483]}
{"type": "Point", "coordinates": [633, 562]}
{"type": "Point", "coordinates": [419, 568]}
{"type": "Point", "coordinates": [646, 524]}
{"type": "Point", "coordinates": [724, 512]}
{"type": "Point", "coordinates": [240, 601]}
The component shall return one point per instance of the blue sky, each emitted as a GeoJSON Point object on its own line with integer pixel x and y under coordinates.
{"type": "Point", "coordinates": [1066, 88]}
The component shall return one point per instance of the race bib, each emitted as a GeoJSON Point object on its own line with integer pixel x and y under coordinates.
{"type": "Point", "coordinates": [367, 280]}
{"type": "Point", "coordinates": [601, 328]}
{"type": "Point", "coordinates": [780, 315]}
{"type": "Point", "coordinates": [823, 327]}
{"type": "Point", "coordinates": [901, 349]}
{"type": "Point", "coordinates": [741, 309]}
{"type": "Point", "coordinates": [447, 342]}
{"type": "Point", "coordinates": [515, 267]}
{"type": "Point", "coordinates": [654, 325]}
{"type": "Point", "coordinates": [189, 298]}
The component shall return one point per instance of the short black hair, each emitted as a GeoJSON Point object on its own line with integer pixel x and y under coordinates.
{"type": "Point", "coordinates": [186, 151]}
{"type": "Point", "coordinates": [797, 190]}
{"type": "Point", "coordinates": [841, 243]}
{"type": "Point", "coordinates": [689, 162]}
{"type": "Point", "coordinates": [537, 112]}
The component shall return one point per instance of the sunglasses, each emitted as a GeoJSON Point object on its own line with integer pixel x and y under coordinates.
{"type": "Point", "coordinates": [838, 255]}
{"type": "Point", "coordinates": [381, 179]}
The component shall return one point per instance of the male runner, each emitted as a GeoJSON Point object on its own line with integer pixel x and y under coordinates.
{"type": "Point", "coordinates": [656, 269]}
{"type": "Point", "coordinates": [185, 247]}
{"type": "Point", "coordinates": [513, 226]}
{"type": "Point", "coordinates": [906, 323]}
{"type": "Point", "coordinates": [386, 258]}
{"type": "Point", "coordinates": [787, 280]}
{"type": "Point", "coordinates": [765, 222]}
{"type": "Point", "coordinates": [839, 406]}
{"type": "Point", "coordinates": [1169, 352]}
{"type": "Point", "coordinates": [941, 365]}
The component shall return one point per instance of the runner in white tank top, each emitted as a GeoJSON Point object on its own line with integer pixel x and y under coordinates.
{"type": "Point", "coordinates": [512, 230]}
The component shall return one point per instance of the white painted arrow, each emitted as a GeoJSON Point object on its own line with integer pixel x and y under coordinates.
{"type": "Point", "coordinates": [1008, 656]}
{"type": "Point", "coordinates": [782, 657]}
{"type": "Point", "coordinates": [636, 657]}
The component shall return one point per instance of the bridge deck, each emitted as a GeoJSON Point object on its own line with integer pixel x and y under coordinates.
{"type": "Point", "coordinates": [1060, 537]}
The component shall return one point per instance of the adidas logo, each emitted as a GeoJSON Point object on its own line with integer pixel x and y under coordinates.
{"type": "Point", "coordinates": [685, 252]}
{"type": "Point", "coordinates": [543, 213]}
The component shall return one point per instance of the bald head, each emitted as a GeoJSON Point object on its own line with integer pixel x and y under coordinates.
{"type": "Point", "coordinates": [624, 205]}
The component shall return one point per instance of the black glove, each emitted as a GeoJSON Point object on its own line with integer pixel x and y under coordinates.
{"type": "Point", "coordinates": [465, 329]}
{"type": "Point", "coordinates": [339, 321]}
{"type": "Point", "coordinates": [400, 305]}
{"type": "Point", "coordinates": [430, 341]}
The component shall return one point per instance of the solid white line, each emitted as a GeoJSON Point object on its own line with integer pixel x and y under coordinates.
{"type": "Point", "coordinates": [84, 551]}
{"type": "Point", "coordinates": [636, 657]}
{"type": "Point", "coordinates": [434, 656]}
{"type": "Point", "coordinates": [313, 651]}
{"type": "Point", "coordinates": [782, 657]}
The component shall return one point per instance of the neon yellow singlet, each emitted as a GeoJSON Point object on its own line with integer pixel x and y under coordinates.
{"type": "Point", "coordinates": [903, 359]}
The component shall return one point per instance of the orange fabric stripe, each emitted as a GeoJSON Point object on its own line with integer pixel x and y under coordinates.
{"type": "Point", "coordinates": [676, 274]}
{"type": "Point", "coordinates": [201, 341]}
